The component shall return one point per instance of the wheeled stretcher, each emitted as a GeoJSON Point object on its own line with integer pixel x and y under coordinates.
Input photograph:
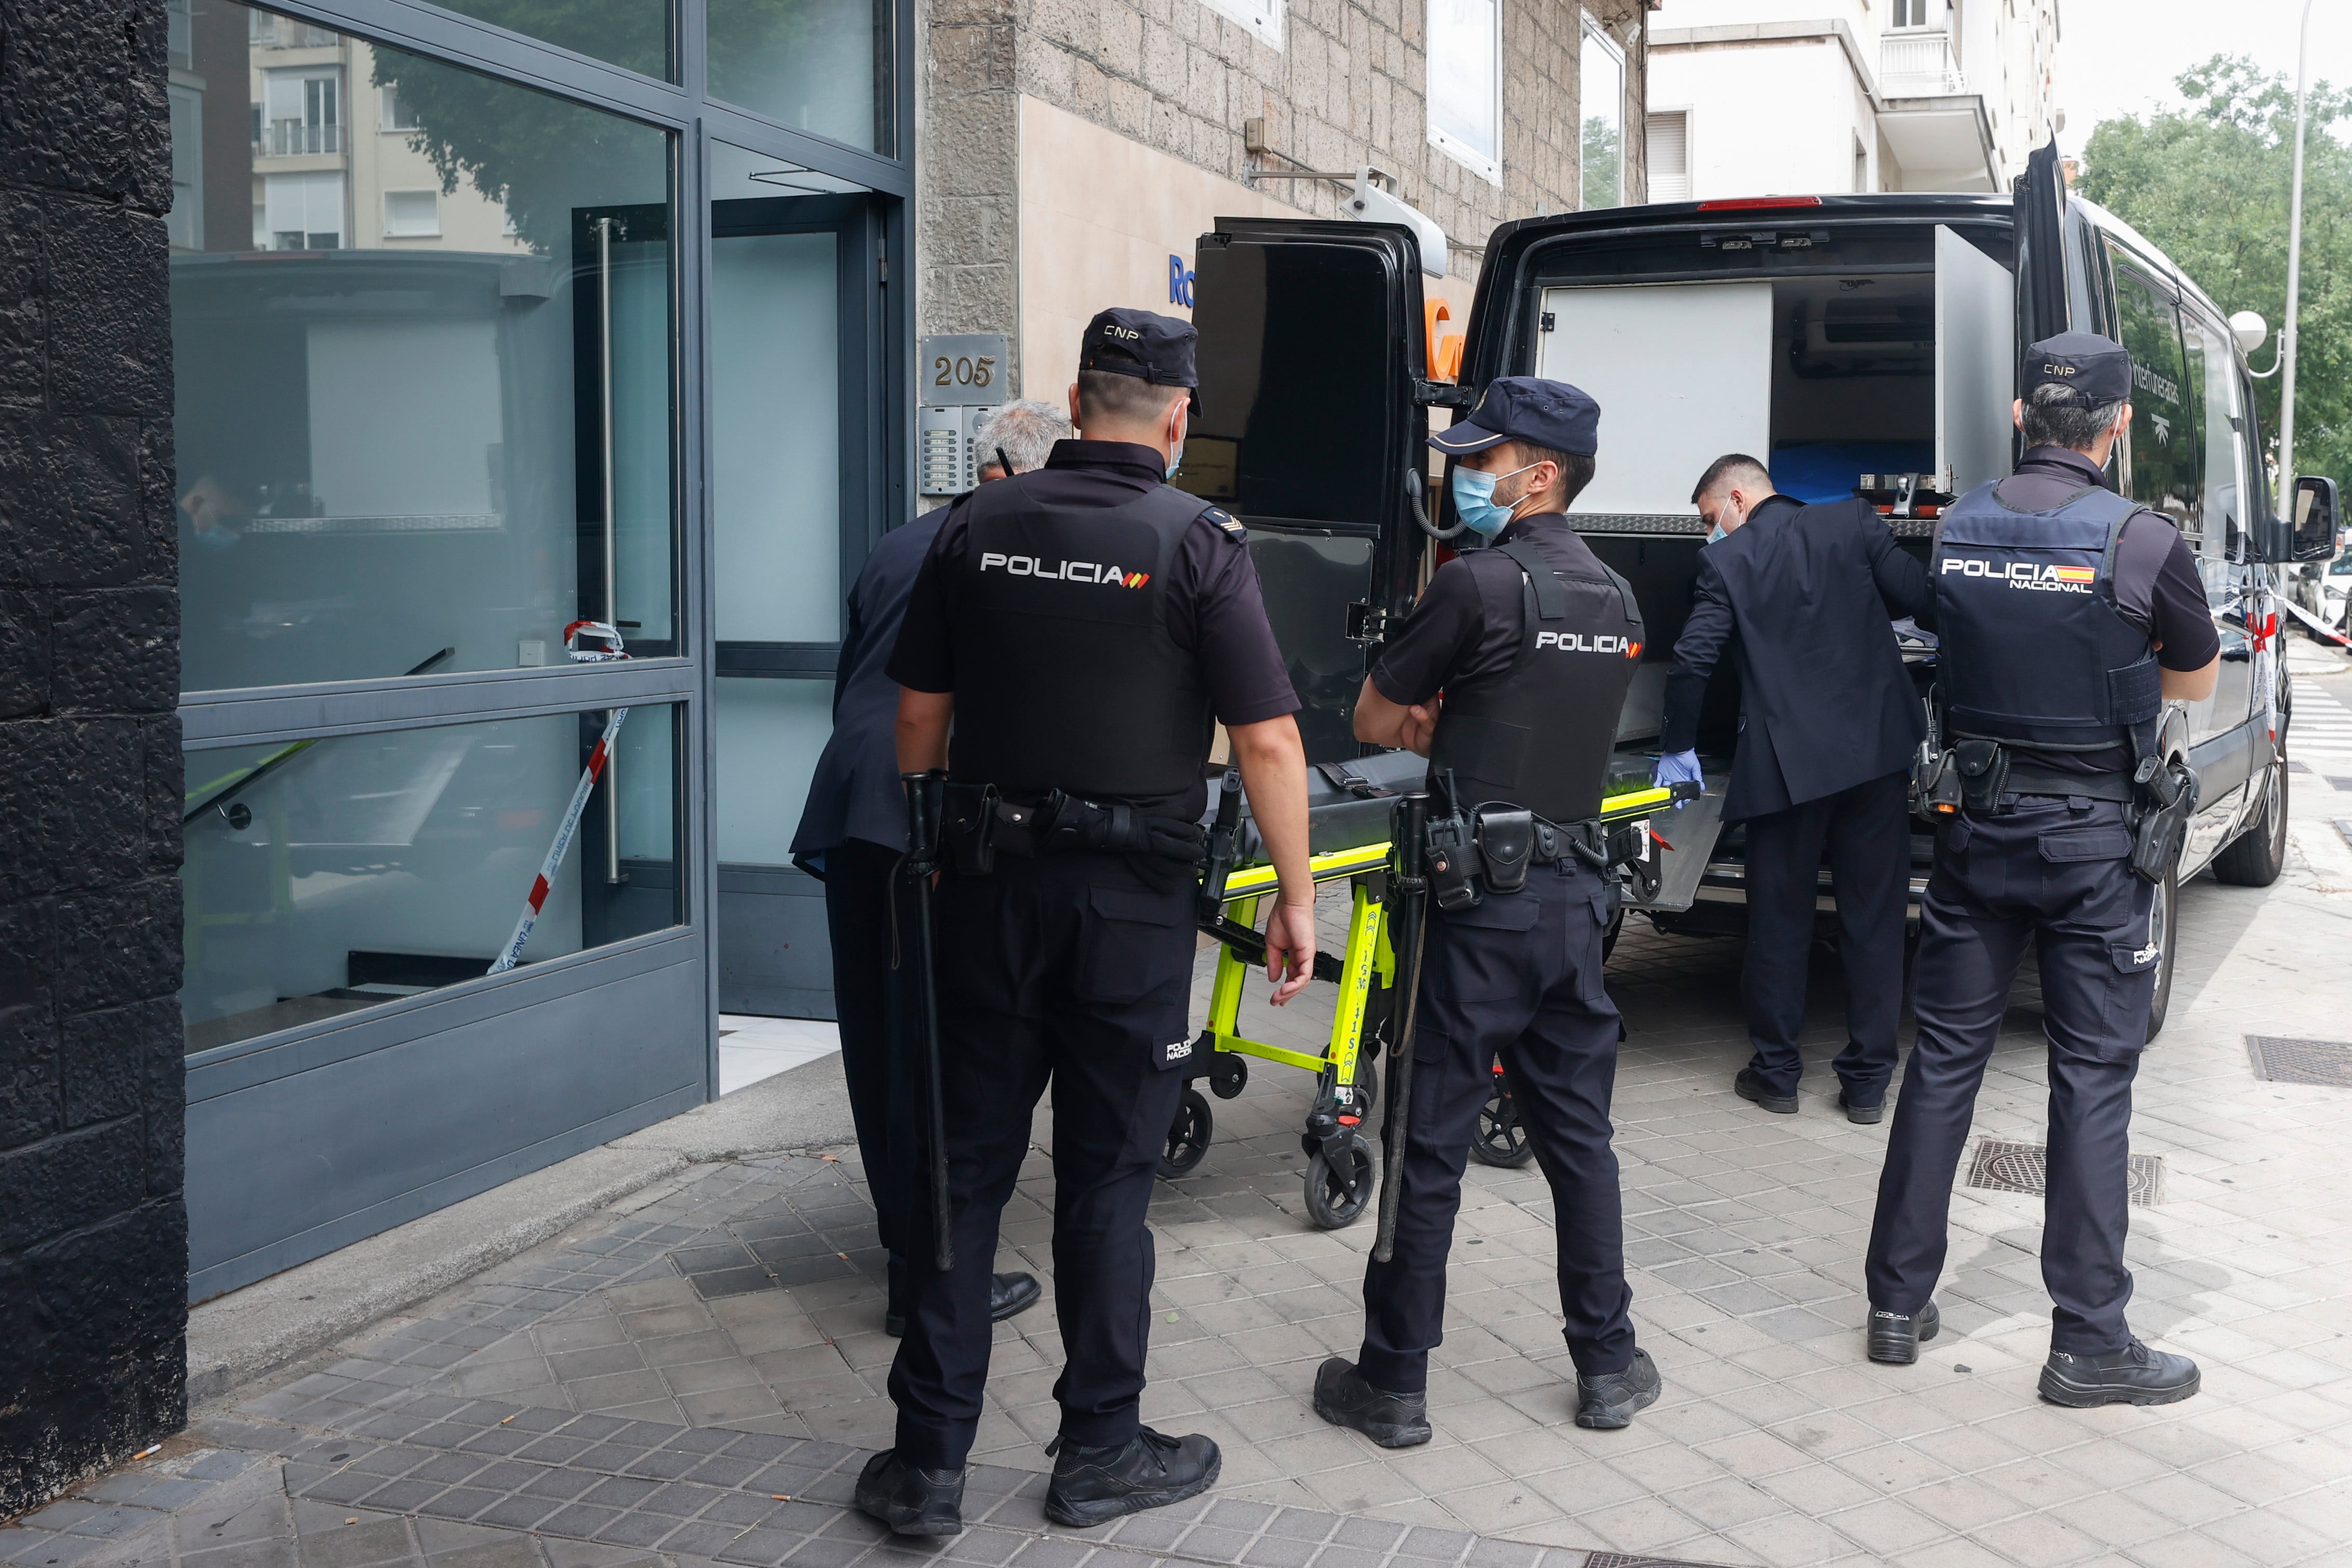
{"type": "Point", "coordinates": [1349, 808]}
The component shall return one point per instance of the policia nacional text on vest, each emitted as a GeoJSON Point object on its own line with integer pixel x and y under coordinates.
{"type": "Point", "coordinates": [2036, 657]}
{"type": "Point", "coordinates": [1518, 767]}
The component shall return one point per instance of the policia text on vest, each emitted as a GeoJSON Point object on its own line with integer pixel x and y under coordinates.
{"type": "Point", "coordinates": [2050, 701]}
{"type": "Point", "coordinates": [1083, 626]}
{"type": "Point", "coordinates": [1533, 643]}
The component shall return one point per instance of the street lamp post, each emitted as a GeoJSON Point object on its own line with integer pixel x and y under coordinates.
{"type": "Point", "coordinates": [2294, 278]}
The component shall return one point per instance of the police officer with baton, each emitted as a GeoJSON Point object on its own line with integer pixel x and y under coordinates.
{"type": "Point", "coordinates": [1533, 642]}
{"type": "Point", "coordinates": [2069, 615]}
{"type": "Point", "coordinates": [1082, 625]}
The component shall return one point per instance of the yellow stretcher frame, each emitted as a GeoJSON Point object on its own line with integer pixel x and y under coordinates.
{"type": "Point", "coordinates": [1368, 952]}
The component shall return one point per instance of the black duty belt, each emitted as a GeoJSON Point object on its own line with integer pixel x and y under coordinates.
{"type": "Point", "coordinates": [982, 822]}
{"type": "Point", "coordinates": [1489, 851]}
{"type": "Point", "coordinates": [2026, 779]}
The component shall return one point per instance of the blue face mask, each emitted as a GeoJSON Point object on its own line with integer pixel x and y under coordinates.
{"type": "Point", "coordinates": [1474, 500]}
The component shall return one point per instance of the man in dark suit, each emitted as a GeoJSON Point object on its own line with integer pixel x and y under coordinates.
{"type": "Point", "coordinates": [852, 833]}
{"type": "Point", "coordinates": [1803, 596]}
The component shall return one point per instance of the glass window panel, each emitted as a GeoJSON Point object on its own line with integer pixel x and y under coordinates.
{"type": "Point", "coordinates": [2164, 455]}
{"type": "Point", "coordinates": [1600, 74]}
{"type": "Point", "coordinates": [393, 438]}
{"type": "Point", "coordinates": [329, 876]}
{"type": "Point", "coordinates": [769, 732]}
{"type": "Point", "coordinates": [775, 441]}
{"type": "Point", "coordinates": [630, 33]}
{"type": "Point", "coordinates": [1465, 94]}
{"type": "Point", "coordinates": [823, 66]}
{"type": "Point", "coordinates": [2213, 383]}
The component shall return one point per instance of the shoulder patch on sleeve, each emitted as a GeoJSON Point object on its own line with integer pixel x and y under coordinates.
{"type": "Point", "coordinates": [1225, 520]}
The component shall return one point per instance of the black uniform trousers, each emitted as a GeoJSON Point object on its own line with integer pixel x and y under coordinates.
{"type": "Point", "coordinates": [878, 1041]}
{"type": "Point", "coordinates": [1067, 969]}
{"type": "Point", "coordinates": [2055, 871]}
{"type": "Point", "coordinates": [1866, 832]}
{"type": "Point", "coordinates": [1520, 976]}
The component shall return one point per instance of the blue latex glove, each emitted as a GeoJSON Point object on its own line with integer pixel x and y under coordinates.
{"type": "Point", "coordinates": [1678, 768]}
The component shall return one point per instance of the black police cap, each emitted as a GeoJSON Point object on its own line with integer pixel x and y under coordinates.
{"type": "Point", "coordinates": [1549, 414]}
{"type": "Point", "coordinates": [2096, 369]}
{"type": "Point", "coordinates": [1156, 349]}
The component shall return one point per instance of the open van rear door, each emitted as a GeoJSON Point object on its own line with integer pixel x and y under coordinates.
{"type": "Point", "coordinates": [2041, 198]}
{"type": "Point", "coordinates": [1309, 430]}
{"type": "Point", "coordinates": [1976, 364]}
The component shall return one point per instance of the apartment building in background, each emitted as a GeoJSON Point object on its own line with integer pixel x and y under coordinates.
{"type": "Point", "coordinates": [1784, 97]}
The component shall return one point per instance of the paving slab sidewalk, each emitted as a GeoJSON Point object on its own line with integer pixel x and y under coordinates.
{"type": "Point", "coordinates": [621, 1394]}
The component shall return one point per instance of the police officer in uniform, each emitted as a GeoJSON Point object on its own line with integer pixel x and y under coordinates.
{"type": "Point", "coordinates": [2069, 615]}
{"type": "Point", "coordinates": [1533, 642]}
{"type": "Point", "coordinates": [1082, 625]}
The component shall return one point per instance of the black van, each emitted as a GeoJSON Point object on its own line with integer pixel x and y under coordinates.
{"type": "Point", "coordinates": [1860, 343]}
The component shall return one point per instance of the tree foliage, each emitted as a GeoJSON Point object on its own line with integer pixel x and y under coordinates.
{"type": "Point", "coordinates": [2209, 184]}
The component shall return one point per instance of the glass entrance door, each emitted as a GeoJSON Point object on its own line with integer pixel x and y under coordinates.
{"type": "Point", "coordinates": [790, 470]}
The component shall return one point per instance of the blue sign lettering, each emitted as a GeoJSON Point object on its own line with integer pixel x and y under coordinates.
{"type": "Point", "coordinates": [1180, 282]}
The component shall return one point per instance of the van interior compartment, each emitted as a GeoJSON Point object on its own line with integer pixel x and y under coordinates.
{"type": "Point", "coordinates": [1826, 374]}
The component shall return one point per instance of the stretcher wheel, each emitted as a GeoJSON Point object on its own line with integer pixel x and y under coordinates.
{"type": "Point", "coordinates": [1328, 1203]}
{"type": "Point", "coordinates": [1188, 1135]}
{"type": "Point", "coordinates": [1501, 1140]}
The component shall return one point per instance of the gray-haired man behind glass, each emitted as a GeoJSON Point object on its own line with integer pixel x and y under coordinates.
{"type": "Point", "coordinates": [853, 831]}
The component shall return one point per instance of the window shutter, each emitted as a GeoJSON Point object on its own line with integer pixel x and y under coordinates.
{"type": "Point", "coordinates": [1669, 155]}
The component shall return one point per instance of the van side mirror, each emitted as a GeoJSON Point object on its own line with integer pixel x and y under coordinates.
{"type": "Point", "coordinates": [2309, 534]}
{"type": "Point", "coordinates": [2315, 517]}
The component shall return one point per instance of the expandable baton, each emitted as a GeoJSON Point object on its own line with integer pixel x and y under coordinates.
{"type": "Point", "coordinates": [926, 798]}
{"type": "Point", "coordinates": [1409, 886]}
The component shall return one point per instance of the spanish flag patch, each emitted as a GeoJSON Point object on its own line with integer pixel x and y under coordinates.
{"type": "Point", "coordinates": [2073, 573]}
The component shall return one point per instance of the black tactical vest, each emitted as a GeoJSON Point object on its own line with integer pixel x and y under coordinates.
{"type": "Point", "coordinates": [2034, 650]}
{"type": "Point", "coordinates": [1067, 677]}
{"type": "Point", "coordinates": [1539, 738]}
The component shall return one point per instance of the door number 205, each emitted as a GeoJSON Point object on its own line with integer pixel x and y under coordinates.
{"type": "Point", "coordinates": [965, 370]}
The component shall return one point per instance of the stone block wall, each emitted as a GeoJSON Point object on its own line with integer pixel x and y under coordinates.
{"type": "Point", "coordinates": [93, 1233]}
{"type": "Point", "coordinates": [1348, 87]}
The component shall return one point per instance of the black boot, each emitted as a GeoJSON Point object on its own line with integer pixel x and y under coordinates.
{"type": "Point", "coordinates": [910, 1499]}
{"type": "Point", "coordinates": [1895, 1337]}
{"type": "Point", "coordinates": [1343, 1398]}
{"type": "Point", "coordinates": [1864, 1115]}
{"type": "Point", "coordinates": [1748, 1086]}
{"type": "Point", "coordinates": [1150, 1470]}
{"type": "Point", "coordinates": [1009, 1296]}
{"type": "Point", "coordinates": [2133, 1375]}
{"type": "Point", "coordinates": [1608, 1402]}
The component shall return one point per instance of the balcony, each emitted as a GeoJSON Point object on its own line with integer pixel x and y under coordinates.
{"type": "Point", "coordinates": [1919, 65]}
{"type": "Point", "coordinates": [296, 139]}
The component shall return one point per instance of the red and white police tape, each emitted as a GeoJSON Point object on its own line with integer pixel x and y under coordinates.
{"type": "Point", "coordinates": [597, 758]}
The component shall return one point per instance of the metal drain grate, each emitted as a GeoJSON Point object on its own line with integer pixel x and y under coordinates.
{"type": "Point", "coordinates": [1619, 1559]}
{"type": "Point", "coordinates": [2327, 1063]}
{"type": "Point", "coordinates": [2002, 1167]}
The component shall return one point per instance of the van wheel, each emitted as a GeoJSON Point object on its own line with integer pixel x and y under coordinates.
{"type": "Point", "coordinates": [2164, 935]}
{"type": "Point", "coordinates": [2255, 858]}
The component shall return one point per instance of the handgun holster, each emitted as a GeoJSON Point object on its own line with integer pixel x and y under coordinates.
{"type": "Point", "coordinates": [971, 828]}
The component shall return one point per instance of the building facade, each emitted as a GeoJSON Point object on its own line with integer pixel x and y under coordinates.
{"type": "Point", "coordinates": [1786, 97]}
{"type": "Point", "coordinates": [1073, 150]}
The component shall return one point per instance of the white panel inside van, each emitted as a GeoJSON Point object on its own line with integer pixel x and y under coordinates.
{"type": "Point", "coordinates": [1975, 363]}
{"type": "Point", "coordinates": [1682, 373]}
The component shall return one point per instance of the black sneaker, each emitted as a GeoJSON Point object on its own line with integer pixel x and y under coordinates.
{"type": "Point", "coordinates": [1343, 1398]}
{"type": "Point", "coordinates": [1151, 1470]}
{"type": "Point", "coordinates": [1009, 1296]}
{"type": "Point", "coordinates": [2133, 1375]}
{"type": "Point", "coordinates": [1608, 1402]}
{"type": "Point", "coordinates": [1748, 1086]}
{"type": "Point", "coordinates": [910, 1499]}
{"type": "Point", "coordinates": [1895, 1337]}
{"type": "Point", "coordinates": [1864, 1115]}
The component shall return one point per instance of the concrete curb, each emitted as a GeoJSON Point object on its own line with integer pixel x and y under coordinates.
{"type": "Point", "coordinates": [245, 1334]}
